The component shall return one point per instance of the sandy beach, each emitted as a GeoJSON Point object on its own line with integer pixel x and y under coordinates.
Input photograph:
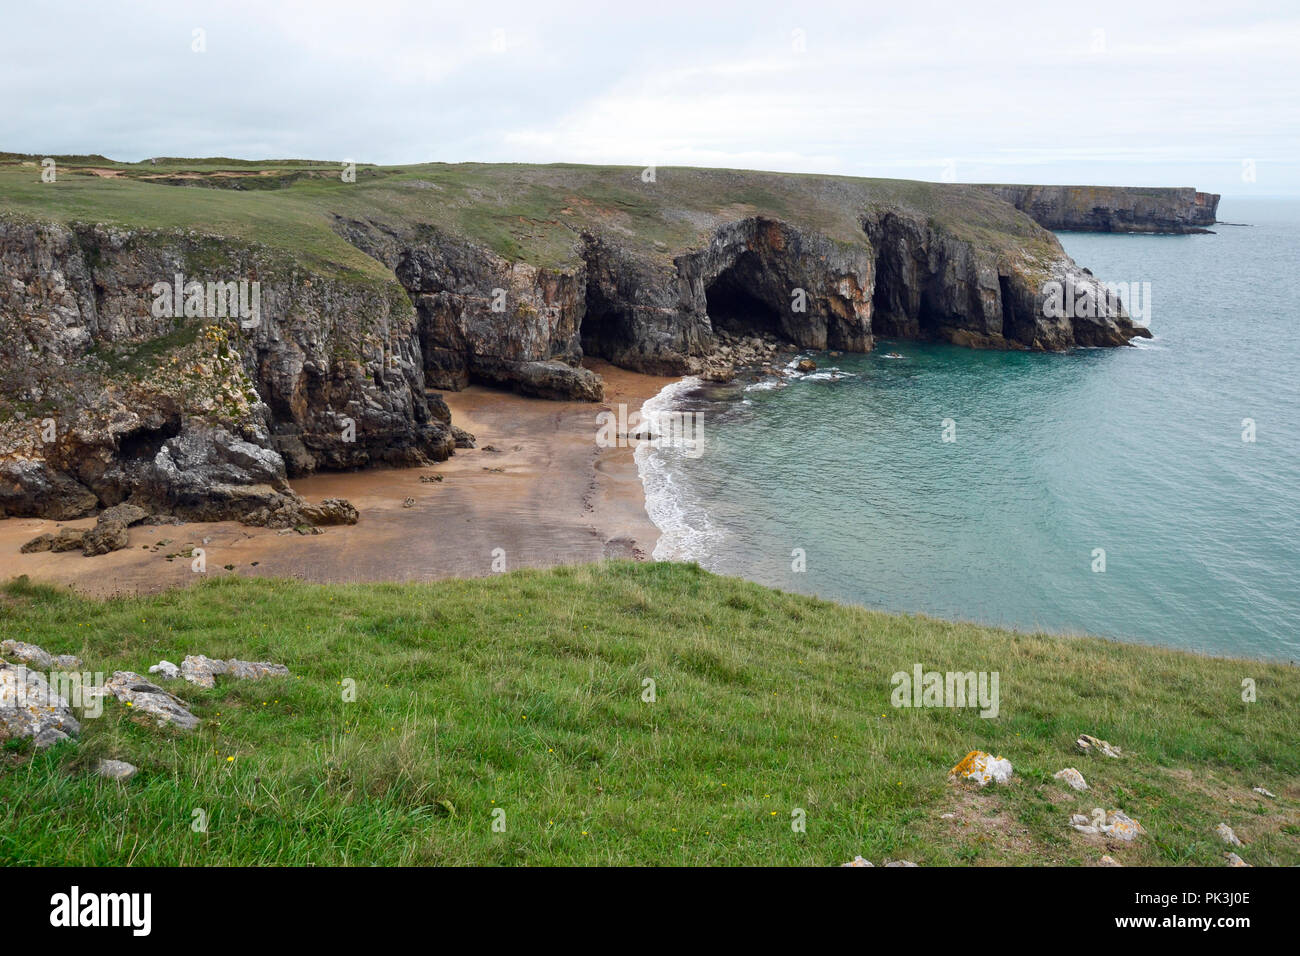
{"type": "Point", "coordinates": [537, 487]}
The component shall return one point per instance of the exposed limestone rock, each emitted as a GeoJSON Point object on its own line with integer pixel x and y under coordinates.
{"type": "Point", "coordinates": [1226, 835]}
{"type": "Point", "coordinates": [208, 418]}
{"type": "Point", "coordinates": [1265, 793]}
{"type": "Point", "coordinates": [1117, 825]}
{"type": "Point", "coordinates": [858, 861]}
{"type": "Point", "coordinates": [31, 709]}
{"type": "Point", "coordinates": [1113, 208]}
{"type": "Point", "coordinates": [125, 512]}
{"type": "Point", "coordinates": [201, 418]}
{"type": "Point", "coordinates": [115, 769]}
{"type": "Point", "coordinates": [1109, 861]}
{"type": "Point", "coordinates": [331, 511]}
{"type": "Point", "coordinates": [144, 696]}
{"type": "Point", "coordinates": [166, 669]}
{"type": "Point", "coordinates": [1072, 777]}
{"type": "Point", "coordinates": [201, 670]}
{"type": "Point", "coordinates": [106, 536]}
{"type": "Point", "coordinates": [38, 657]}
{"type": "Point", "coordinates": [900, 863]}
{"type": "Point", "coordinates": [1234, 860]}
{"type": "Point", "coordinates": [981, 768]}
{"type": "Point", "coordinates": [1091, 745]}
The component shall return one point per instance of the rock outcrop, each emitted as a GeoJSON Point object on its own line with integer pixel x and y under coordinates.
{"type": "Point", "coordinates": [1113, 208]}
{"type": "Point", "coordinates": [202, 416]}
{"type": "Point", "coordinates": [205, 412]}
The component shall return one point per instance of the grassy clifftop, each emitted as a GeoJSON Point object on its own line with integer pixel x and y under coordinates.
{"type": "Point", "coordinates": [524, 693]}
{"type": "Point", "coordinates": [526, 213]}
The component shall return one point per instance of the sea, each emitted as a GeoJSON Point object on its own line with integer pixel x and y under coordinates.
{"type": "Point", "coordinates": [1148, 494]}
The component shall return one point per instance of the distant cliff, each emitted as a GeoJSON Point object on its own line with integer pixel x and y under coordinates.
{"type": "Point", "coordinates": [1113, 208]}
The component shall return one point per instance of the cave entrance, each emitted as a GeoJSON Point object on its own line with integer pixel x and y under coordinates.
{"type": "Point", "coordinates": [733, 304]}
{"type": "Point", "coordinates": [144, 443]}
{"type": "Point", "coordinates": [606, 333]}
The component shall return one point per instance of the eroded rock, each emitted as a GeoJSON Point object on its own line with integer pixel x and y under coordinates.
{"type": "Point", "coordinates": [31, 709]}
{"type": "Point", "coordinates": [115, 769]}
{"type": "Point", "coordinates": [981, 768]}
{"type": "Point", "coordinates": [1089, 744]}
{"type": "Point", "coordinates": [146, 697]}
{"type": "Point", "coordinates": [1227, 835]}
{"type": "Point", "coordinates": [1071, 777]}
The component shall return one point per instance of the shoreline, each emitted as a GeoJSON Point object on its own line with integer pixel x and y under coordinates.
{"type": "Point", "coordinates": [557, 498]}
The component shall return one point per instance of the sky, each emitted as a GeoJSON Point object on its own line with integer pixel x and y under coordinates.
{"type": "Point", "coordinates": [1134, 93]}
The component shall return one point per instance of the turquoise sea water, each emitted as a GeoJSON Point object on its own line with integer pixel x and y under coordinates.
{"type": "Point", "coordinates": [1136, 451]}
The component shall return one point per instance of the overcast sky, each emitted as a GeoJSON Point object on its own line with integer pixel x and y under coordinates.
{"type": "Point", "coordinates": [1131, 93]}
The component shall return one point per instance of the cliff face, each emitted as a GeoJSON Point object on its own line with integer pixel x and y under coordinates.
{"type": "Point", "coordinates": [104, 400]}
{"type": "Point", "coordinates": [1113, 208]}
{"type": "Point", "coordinates": [105, 397]}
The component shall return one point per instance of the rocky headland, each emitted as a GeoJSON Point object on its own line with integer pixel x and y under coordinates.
{"type": "Point", "coordinates": [1175, 211]}
{"type": "Point", "coordinates": [370, 294]}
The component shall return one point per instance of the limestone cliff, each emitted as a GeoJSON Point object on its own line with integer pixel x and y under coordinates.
{"type": "Point", "coordinates": [436, 277]}
{"type": "Point", "coordinates": [1113, 208]}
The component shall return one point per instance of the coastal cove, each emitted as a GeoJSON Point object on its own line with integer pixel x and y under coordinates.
{"type": "Point", "coordinates": [1138, 452]}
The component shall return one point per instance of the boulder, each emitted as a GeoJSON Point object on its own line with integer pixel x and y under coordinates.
{"type": "Point", "coordinates": [31, 709]}
{"type": "Point", "coordinates": [115, 769]}
{"type": "Point", "coordinates": [1089, 744]}
{"type": "Point", "coordinates": [106, 536]}
{"type": "Point", "coordinates": [1071, 777]}
{"type": "Point", "coordinates": [1226, 835]}
{"type": "Point", "coordinates": [126, 513]}
{"type": "Point", "coordinates": [981, 768]}
{"type": "Point", "coordinates": [38, 657]}
{"type": "Point", "coordinates": [147, 697]}
{"type": "Point", "coordinates": [166, 669]}
{"type": "Point", "coordinates": [331, 511]}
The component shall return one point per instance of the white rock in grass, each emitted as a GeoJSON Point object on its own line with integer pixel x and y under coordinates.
{"type": "Point", "coordinates": [1072, 777]}
{"type": "Point", "coordinates": [38, 657]}
{"type": "Point", "coordinates": [1110, 861]}
{"type": "Point", "coordinates": [1234, 860]}
{"type": "Point", "coordinates": [981, 768]}
{"type": "Point", "coordinates": [202, 671]}
{"type": "Point", "coordinates": [116, 769]}
{"type": "Point", "coordinates": [1089, 744]}
{"type": "Point", "coordinates": [31, 708]}
{"type": "Point", "coordinates": [1116, 824]}
{"type": "Point", "coordinates": [1226, 835]}
{"type": "Point", "coordinates": [1121, 826]}
{"type": "Point", "coordinates": [858, 861]}
{"type": "Point", "coordinates": [166, 669]}
{"type": "Point", "coordinates": [901, 863]}
{"type": "Point", "coordinates": [140, 694]}
{"type": "Point", "coordinates": [1265, 793]}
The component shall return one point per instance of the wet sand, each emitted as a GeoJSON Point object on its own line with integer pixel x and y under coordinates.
{"type": "Point", "coordinates": [548, 495]}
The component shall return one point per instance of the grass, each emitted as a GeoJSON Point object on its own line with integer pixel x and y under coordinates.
{"type": "Point", "coordinates": [527, 213]}
{"type": "Point", "coordinates": [523, 693]}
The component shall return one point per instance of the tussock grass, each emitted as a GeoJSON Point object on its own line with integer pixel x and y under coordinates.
{"type": "Point", "coordinates": [523, 693]}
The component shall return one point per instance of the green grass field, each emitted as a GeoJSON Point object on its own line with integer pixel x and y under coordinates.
{"type": "Point", "coordinates": [523, 693]}
{"type": "Point", "coordinates": [527, 213]}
